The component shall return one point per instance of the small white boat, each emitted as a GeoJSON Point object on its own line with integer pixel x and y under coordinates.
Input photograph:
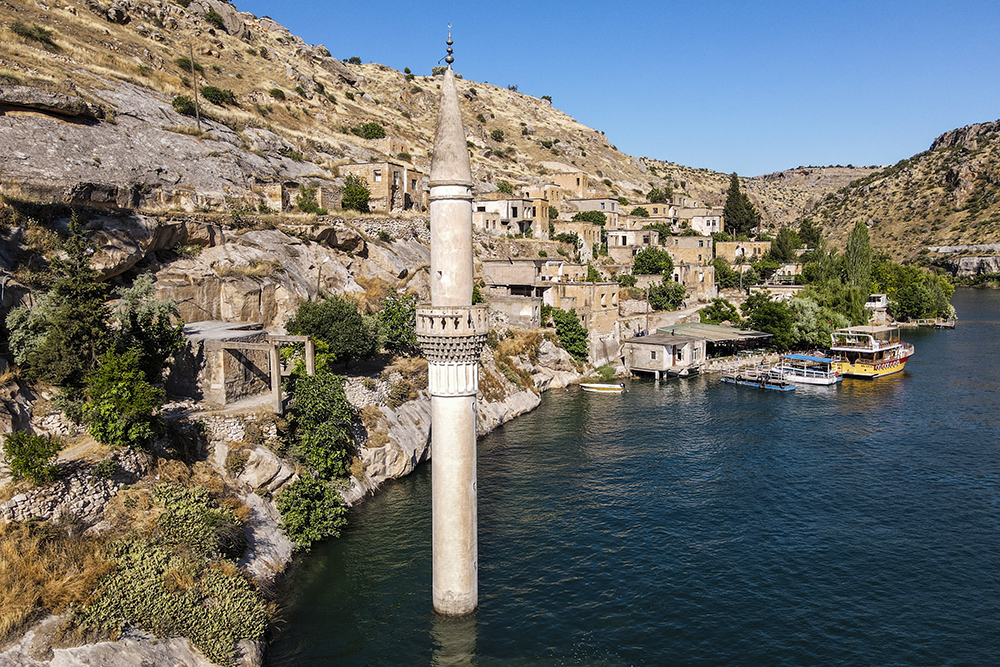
{"type": "Point", "coordinates": [602, 388]}
{"type": "Point", "coordinates": [807, 369]}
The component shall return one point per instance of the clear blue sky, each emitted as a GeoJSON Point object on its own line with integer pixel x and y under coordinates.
{"type": "Point", "coordinates": [753, 86]}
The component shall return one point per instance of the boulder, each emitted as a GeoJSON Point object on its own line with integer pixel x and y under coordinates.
{"type": "Point", "coordinates": [337, 68]}
{"type": "Point", "coordinates": [29, 97]}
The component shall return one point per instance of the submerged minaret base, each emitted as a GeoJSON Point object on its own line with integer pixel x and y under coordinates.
{"type": "Point", "coordinates": [451, 333]}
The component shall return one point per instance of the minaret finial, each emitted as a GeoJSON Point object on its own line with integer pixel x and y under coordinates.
{"type": "Point", "coordinates": [449, 58]}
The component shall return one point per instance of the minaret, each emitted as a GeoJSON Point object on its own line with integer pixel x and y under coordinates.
{"type": "Point", "coordinates": [451, 333]}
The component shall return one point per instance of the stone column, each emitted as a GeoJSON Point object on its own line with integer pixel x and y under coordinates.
{"type": "Point", "coordinates": [452, 332]}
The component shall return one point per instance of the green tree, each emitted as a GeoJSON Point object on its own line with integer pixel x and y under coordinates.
{"type": "Point", "coordinates": [371, 130]}
{"type": "Point", "coordinates": [397, 323]}
{"type": "Point", "coordinates": [858, 257]}
{"type": "Point", "coordinates": [593, 275]}
{"type": "Point", "coordinates": [668, 295]}
{"type": "Point", "coordinates": [305, 200]}
{"type": "Point", "coordinates": [322, 417]}
{"type": "Point", "coordinates": [572, 335]}
{"type": "Point", "coordinates": [123, 405]}
{"type": "Point", "coordinates": [595, 217]}
{"type": "Point", "coordinates": [553, 213]}
{"type": "Point", "coordinates": [658, 196]}
{"type": "Point", "coordinates": [719, 311]}
{"type": "Point", "coordinates": [640, 212]}
{"type": "Point", "coordinates": [814, 323]}
{"type": "Point", "coordinates": [144, 325]}
{"type": "Point", "coordinates": [311, 510]}
{"type": "Point", "coordinates": [623, 201]}
{"type": "Point", "coordinates": [740, 215]}
{"type": "Point", "coordinates": [336, 321]}
{"type": "Point", "coordinates": [784, 245]}
{"type": "Point", "coordinates": [626, 280]}
{"type": "Point", "coordinates": [355, 194]}
{"type": "Point", "coordinates": [505, 187]}
{"type": "Point", "coordinates": [652, 261]}
{"type": "Point", "coordinates": [810, 232]}
{"type": "Point", "coordinates": [726, 276]}
{"type": "Point", "coordinates": [773, 317]}
{"type": "Point", "coordinates": [31, 456]}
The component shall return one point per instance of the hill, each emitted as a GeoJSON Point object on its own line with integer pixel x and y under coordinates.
{"type": "Point", "coordinates": [948, 195]}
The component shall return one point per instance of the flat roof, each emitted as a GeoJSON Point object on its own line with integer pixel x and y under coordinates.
{"type": "Point", "coordinates": [868, 329]}
{"type": "Point", "coordinates": [806, 357]}
{"type": "Point", "coordinates": [713, 333]}
{"type": "Point", "coordinates": [663, 339]}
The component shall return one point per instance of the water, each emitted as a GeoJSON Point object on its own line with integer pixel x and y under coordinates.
{"type": "Point", "coordinates": [697, 523]}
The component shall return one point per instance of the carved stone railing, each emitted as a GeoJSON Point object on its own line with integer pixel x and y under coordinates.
{"type": "Point", "coordinates": [452, 339]}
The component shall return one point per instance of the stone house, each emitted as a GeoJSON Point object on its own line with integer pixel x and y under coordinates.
{"type": "Point", "coordinates": [705, 221]}
{"type": "Point", "coordinates": [689, 249]}
{"type": "Point", "coordinates": [624, 244]}
{"type": "Point", "coordinates": [699, 281]}
{"type": "Point", "coordinates": [512, 216]}
{"type": "Point", "coordinates": [609, 207]}
{"type": "Point", "coordinates": [663, 354]}
{"type": "Point", "coordinates": [737, 252]}
{"type": "Point", "coordinates": [589, 233]}
{"type": "Point", "coordinates": [393, 187]}
{"type": "Point", "coordinates": [577, 182]}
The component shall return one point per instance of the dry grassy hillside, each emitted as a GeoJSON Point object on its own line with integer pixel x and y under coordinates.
{"type": "Point", "coordinates": [948, 195]}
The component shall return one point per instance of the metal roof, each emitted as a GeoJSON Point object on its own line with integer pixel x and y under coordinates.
{"type": "Point", "coordinates": [806, 357]}
{"type": "Point", "coordinates": [661, 339]}
{"type": "Point", "coordinates": [714, 333]}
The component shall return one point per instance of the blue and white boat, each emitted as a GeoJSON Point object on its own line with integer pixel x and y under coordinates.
{"type": "Point", "coordinates": [807, 369]}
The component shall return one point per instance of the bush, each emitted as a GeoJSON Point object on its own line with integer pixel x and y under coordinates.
{"type": "Point", "coordinates": [218, 96]}
{"type": "Point", "coordinates": [35, 33]}
{"type": "Point", "coordinates": [311, 510]}
{"type": "Point", "coordinates": [354, 60]}
{"type": "Point", "coordinates": [185, 64]}
{"type": "Point", "coordinates": [306, 201]}
{"type": "Point", "coordinates": [31, 456]}
{"type": "Point", "coordinates": [497, 135]}
{"type": "Point", "coordinates": [640, 211]}
{"type": "Point", "coordinates": [277, 93]}
{"type": "Point", "coordinates": [553, 213]}
{"type": "Point", "coordinates": [398, 323]}
{"type": "Point", "coordinates": [183, 3]}
{"type": "Point", "coordinates": [123, 404]}
{"type": "Point", "coordinates": [144, 325]}
{"type": "Point", "coordinates": [183, 105]}
{"type": "Point", "coordinates": [369, 131]}
{"type": "Point", "coordinates": [591, 216]}
{"type": "Point", "coordinates": [653, 261]}
{"type": "Point", "coordinates": [505, 187]}
{"type": "Point", "coordinates": [355, 194]}
{"type": "Point", "coordinates": [438, 70]}
{"type": "Point", "coordinates": [336, 321]}
{"type": "Point", "coordinates": [626, 280]}
{"type": "Point", "coordinates": [215, 18]}
{"type": "Point", "coordinates": [572, 335]}
{"type": "Point", "coordinates": [668, 295]}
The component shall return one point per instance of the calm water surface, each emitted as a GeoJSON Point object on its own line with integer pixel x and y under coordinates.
{"type": "Point", "coordinates": [696, 523]}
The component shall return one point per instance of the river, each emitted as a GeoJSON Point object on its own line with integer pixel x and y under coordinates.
{"type": "Point", "coordinates": [691, 522]}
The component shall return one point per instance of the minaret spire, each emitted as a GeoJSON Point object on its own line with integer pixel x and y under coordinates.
{"type": "Point", "coordinates": [451, 332]}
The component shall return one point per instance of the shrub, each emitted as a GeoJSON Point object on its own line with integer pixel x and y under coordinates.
{"type": "Point", "coordinates": [31, 456]}
{"type": "Point", "coordinates": [35, 33]}
{"type": "Point", "coordinates": [668, 295]}
{"type": "Point", "coordinates": [183, 105]}
{"type": "Point", "coordinates": [653, 261]}
{"type": "Point", "coordinates": [354, 60]}
{"type": "Point", "coordinates": [277, 93]}
{"type": "Point", "coordinates": [369, 130]}
{"type": "Point", "coordinates": [355, 194]}
{"type": "Point", "coordinates": [397, 323]}
{"type": "Point", "coordinates": [144, 325]}
{"type": "Point", "coordinates": [438, 70]}
{"type": "Point", "coordinates": [572, 335]}
{"type": "Point", "coordinates": [591, 216]}
{"type": "Point", "coordinates": [218, 96]}
{"type": "Point", "coordinates": [215, 18]}
{"type": "Point", "coordinates": [542, 253]}
{"type": "Point", "coordinates": [626, 280]}
{"type": "Point", "coordinates": [185, 64]}
{"type": "Point", "coordinates": [311, 510]}
{"type": "Point", "coordinates": [505, 187]}
{"type": "Point", "coordinates": [553, 212]}
{"type": "Point", "coordinates": [123, 404]}
{"type": "Point", "coordinates": [192, 522]}
{"type": "Point", "coordinates": [640, 211]}
{"type": "Point", "coordinates": [262, 51]}
{"type": "Point", "coordinates": [481, 118]}
{"type": "Point", "coordinates": [306, 201]}
{"type": "Point", "coordinates": [336, 321]}
{"type": "Point", "coordinates": [349, 95]}
{"type": "Point", "coordinates": [183, 3]}
{"type": "Point", "coordinates": [497, 135]}
{"type": "Point", "coordinates": [301, 92]}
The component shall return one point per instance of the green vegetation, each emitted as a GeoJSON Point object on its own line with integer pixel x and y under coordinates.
{"type": "Point", "coordinates": [186, 64]}
{"type": "Point", "coordinates": [740, 214]}
{"type": "Point", "coordinates": [277, 93]}
{"type": "Point", "coordinates": [572, 335]}
{"type": "Point", "coordinates": [322, 418]}
{"type": "Point", "coordinates": [640, 211]}
{"type": "Point", "coordinates": [337, 322]}
{"type": "Point", "coordinates": [553, 213]}
{"type": "Point", "coordinates": [35, 33]}
{"type": "Point", "coordinates": [667, 295]}
{"type": "Point", "coordinates": [354, 60]}
{"type": "Point", "coordinates": [591, 216]}
{"type": "Point", "coordinates": [397, 321]}
{"type": "Point", "coordinates": [311, 510]}
{"type": "Point", "coordinates": [858, 257]}
{"type": "Point", "coordinates": [653, 261]}
{"type": "Point", "coordinates": [355, 194]}
{"type": "Point", "coordinates": [31, 456]}
{"type": "Point", "coordinates": [784, 245]}
{"type": "Point", "coordinates": [438, 70]}
{"type": "Point", "coordinates": [626, 280]}
{"type": "Point", "coordinates": [305, 200]}
{"type": "Point", "coordinates": [370, 130]}
{"type": "Point", "coordinates": [215, 18]}
{"type": "Point", "coordinates": [505, 187]}
{"type": "Point", "coordinates": [497, 135]}
{"type": "Point", "coordinates": [658, 196]}
{"type": "Point", "coordinates": [593, 275]}
{"type": "Point", "coordinates": [144, 326]}
{"type": "Point", "coordinates": [183, 105]}
{"type": "Point", "coordinates": [719, 311]}
{"type": "Point", "coordinates": [122, 408]}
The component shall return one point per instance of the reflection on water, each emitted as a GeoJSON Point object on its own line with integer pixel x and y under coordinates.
{"type": "Point", "coordinates": [692, 522]}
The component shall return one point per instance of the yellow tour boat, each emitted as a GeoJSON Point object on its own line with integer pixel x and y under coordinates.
{"type": "Point", "coordinates": [869, 351]}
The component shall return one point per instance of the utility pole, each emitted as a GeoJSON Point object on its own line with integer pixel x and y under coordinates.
{"type": "Point", "coordinates": [194, 86]}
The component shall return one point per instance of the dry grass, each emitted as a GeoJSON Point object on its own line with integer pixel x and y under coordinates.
{"type": "Point", "coordinates": [518, 342]}
{"type": "Point", "coordinates": [43, 570]}
{"type": "Point", "coordinates": [190, 130]}
{"type": "Point", "coordinates": [255, 269]}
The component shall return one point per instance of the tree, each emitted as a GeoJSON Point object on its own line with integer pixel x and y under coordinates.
{"type": "Point", "coordinates": [773, 317]}
{"type": "Point", "coordinates": [810, 232]}
{"type": "Point", "coordinates": [311, 510]}
{"type": "Point", "coordinates": [640, 212]}
{"type": "Point", "coordinates": [397, 322]}
{"type": "Point", "coordinates": [740, 215]}
{"type": "Point", "coordinates": [668, 295]}
{"type": "Point", "coordinates": [355, 195]}
{"type": "Point", "coordinates": [653, 261]}
{"type": "Point", "coordinates": [553, 213]}
{"type": "Point", "coordinates": [572, 335]}
{"type": "Point", "coordinates": [31, 456]}
{"type": "Point", "coordinates": [305, 200]}
{"type": "Point", "coordinates": [371, 130]}
{"type": "Point", "coordinates": [784, 245]}
{"type": "Point", "coordinates": [591, 216]}
{"type": "Point", "coordinates": [626, 280]}
{"type": "Point", "coordinates": [144, 326]}
{"type": "Point", "coordinates": [336, 321]}
{"type": "Point", "coordinates": [122, 408]}
{"type": "Point", "coordinates": [719, 311]}
{"type": "Point", "coordinates": [322, 416]}
{"type": "Point", "coordinates": [814, 323]}
{"type": "Point", "coordinates": [593, 275]}
{"type": "Point", "coordinates": [858, 257]}
{"type": "Point", "coordinates": [505, 187]}
{"type": "Point", "coordinates": [725, 275]}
